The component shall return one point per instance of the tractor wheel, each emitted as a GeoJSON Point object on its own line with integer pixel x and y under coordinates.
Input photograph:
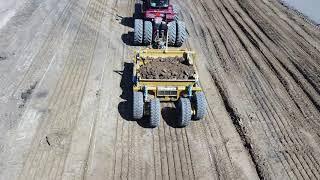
{"type": "Point", "coordinates": [181, 33]}
{"type": "Point", "coordinates": [147, 31]}
{"type": "Point", "coordinates": [176, 10]}
{"type": "Point", "coordinates": [200, 106]}
{"type": "Point", "coordinates": [155, 113]}
{"type": "Point", "coordinates": [137, 108]}
{"type": "Point", "coordinates": [138, 32]}
{"type": "Point", "coordinates": [184, 112]}
{"type": "Point", "coordinates": [172, 33]}
{"type": "Point", "coordinates": [138, 10]}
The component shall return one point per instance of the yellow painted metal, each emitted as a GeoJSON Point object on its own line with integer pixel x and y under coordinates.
{"type": "Point", "coordinates": [164, 53]}
{"type": "Point", "coordinates": [181, 86]}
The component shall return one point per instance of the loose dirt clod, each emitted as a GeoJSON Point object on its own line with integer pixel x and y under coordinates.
{"type": "Point", "coordinates": [27, 94]}
{"type": "Point", "coordinates": [3, 58]}
{"type": "Point", "coordinates": [167, 68]}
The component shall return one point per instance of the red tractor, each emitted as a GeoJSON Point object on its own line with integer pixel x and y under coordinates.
{"type": "Point", "coordinates": [159, 25]}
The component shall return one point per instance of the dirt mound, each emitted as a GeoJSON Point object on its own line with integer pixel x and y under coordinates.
{"type": "Point", "coordinates": [167, 68]}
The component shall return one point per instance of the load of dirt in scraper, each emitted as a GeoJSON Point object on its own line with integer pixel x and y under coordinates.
{"type": "Point", "coordinates": [167, 68]}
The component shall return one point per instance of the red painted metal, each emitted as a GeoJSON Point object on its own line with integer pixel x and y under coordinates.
{"type": "Point", "coordinates": [167, 13]}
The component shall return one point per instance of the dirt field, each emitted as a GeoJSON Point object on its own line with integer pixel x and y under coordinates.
{"type": "Point", "coordinates": [65, 76]}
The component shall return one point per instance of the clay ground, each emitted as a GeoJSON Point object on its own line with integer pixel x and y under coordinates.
{"type": "Point", "coordinates": [65, 97]}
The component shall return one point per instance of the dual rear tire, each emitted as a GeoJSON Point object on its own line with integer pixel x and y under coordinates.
{"type": "Point", "coordinates": [147, 32]}
{"type": "Point", "coordinates": [177, 33]}
{"type": "Point", "coordinates": [155, 113]}
{"type": "Point", "coordinates": [172, 33]}
{"type": "Point", "coordinates": [185, 107]}
{"type": "Point", "coordinates": [154, 110]}
{"type": "Point", "coordinates": [181, 33]}
{"type": "Point", "coordinates": [184, 112]}
{"type": "Point", "coordinates": [142, 32]}
{"type": "Point", "coordinates": [199, 105]}
{"type": "Point", "coordinates": [138, 105]}
{"type": "Point", "coordinates": [138, 32]}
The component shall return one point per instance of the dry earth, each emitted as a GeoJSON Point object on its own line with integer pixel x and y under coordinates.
{"type": "Point", "coordinates": [65, 73]}
{"type": "Point", "coordinates": [167, 68]}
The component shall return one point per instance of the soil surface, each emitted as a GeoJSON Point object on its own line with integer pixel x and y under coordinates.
{"type": "Point", "coordinates": [167, 68]}
{"type": "Point", "coordinates": [258, 64]}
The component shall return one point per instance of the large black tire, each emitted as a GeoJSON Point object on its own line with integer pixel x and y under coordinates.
{"type": "Point", "coordinates": [181, 33]}
{"type": "Point", "coordinates": [172, 33]}
{"type": "Point", "coordinates": [138, 10]}
{"type": "Point", "coordinates": [138, 105]}
{"type": "Point", "coordinates": [184, 112]}
{"type": "Point", "coordinates": [200, 105]}
{"type": "Point", "coordinates": [138, 32]}
{"type": "Point", "coordinates": [155, 113]}
{"type": "Point", "coordinates": [147, 31]}
{"type": "Point", "coordinates": [176, 10]}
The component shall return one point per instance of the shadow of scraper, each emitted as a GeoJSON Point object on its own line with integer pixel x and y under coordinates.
{"type": "Point", "coordinates": [127, 38]}
{"type": "Point", "coordinates": [169, 115]}
{"type": "Point", "coordinates": [125, 107]}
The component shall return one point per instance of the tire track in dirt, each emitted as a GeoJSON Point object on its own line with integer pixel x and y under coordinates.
{"type": "Point", "coordinates": [312, 53]}
{"type": "Point", "coordinates": [283, 76]}
{"type": "Point", "coordinates": [161, 152]}
{"type": "Point", "coordinates": [178, 157]}
{"type": "Point", "coordinates": [56, 129]}
{"type": "Point", "coordinates": [24, 17]}
{"type": "Point", "coordinates": [18, 140]}
{"type": "Point", "coordinates": [315, 96]}
{"type": "Point", "coordinates": [216, 23]}
{"type": "Point", "coordinates": [283, 105]}
{"type": "Point", "coordinates": [165, 162]}
{"type": "Point", "coordinates": [280, 37]}
{"type": "Point", "coordinates": [102, 154]}
{"type": "Point", "coordinates": [279, 68]}
{"type": "Point", "coordinates": [299, 33]}
{"type": "Point", "coordinates": [259, 74]}
{"type": "Point", "coordinates": [212, 150]}
{"type": "Point", "coordinates": [298, 18]}
{"type": "Point", "coordinates": [78, 160]}
{"type": "Point", "coordinates": [219, 54]}
{"type": "Point", "coordinates": [20, 59]}
{"type": "Point", "coordinates": [15, 81]}
{"type": "Point", "coordinates": [47, 51]}
{"type": "Point", "coordinates": [114, 163]}
{"type": "Point", "coordinates": [222, 171]}
{"type": "Point", "coordinates": [127, 159]}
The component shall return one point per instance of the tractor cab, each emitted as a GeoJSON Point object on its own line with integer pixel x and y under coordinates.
{"type": "Point", "coordinates": [159, 9]}
{"type": "Point", "coordinates": [158, 4]}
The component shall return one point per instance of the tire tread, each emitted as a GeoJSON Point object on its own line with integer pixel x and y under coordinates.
{"type": "Point", "coordinates": [155, 113]}
{"type": "Point", "coordinates": [184, 108]}
{"type": "Point", "coordinates": [137, 109]}
{"type": "Point", "coordinates": [181, 33]}
{"type": "Point", "coordinates": [138, 32]}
